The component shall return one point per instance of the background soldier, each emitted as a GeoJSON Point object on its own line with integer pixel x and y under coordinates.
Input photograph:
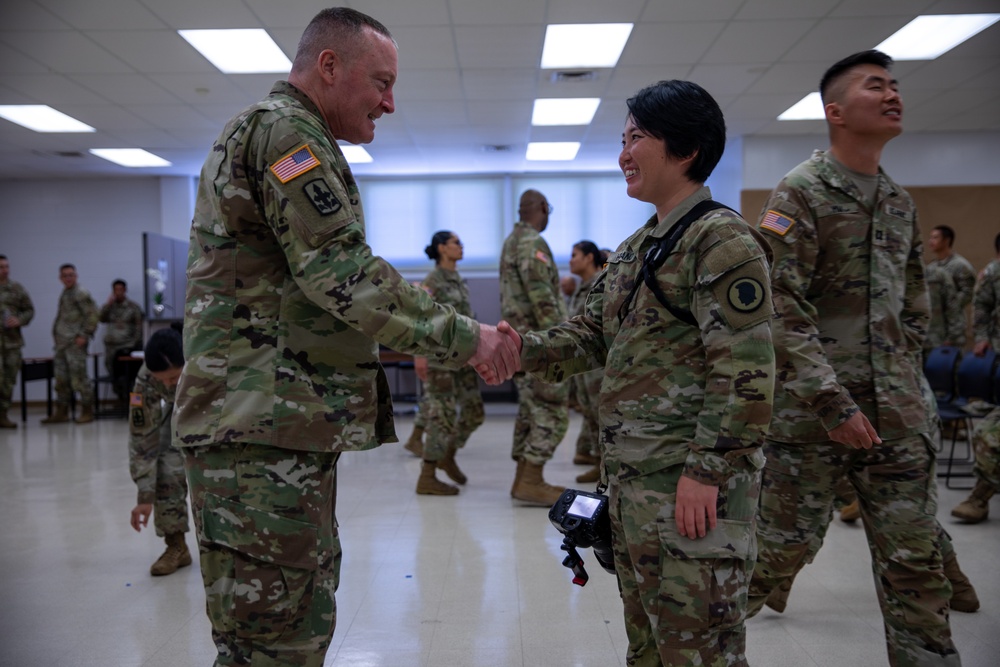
{"type": "Point", "coordinates": [72, 330]}
{"type": "Point", "coordinates": [156, 466]}
{"type": "Point", "coordinates": [530, 299]}
{"type": "Point", "coordinates": [16, 311]}
{"type": "Point", "coordinates": [123, 333]}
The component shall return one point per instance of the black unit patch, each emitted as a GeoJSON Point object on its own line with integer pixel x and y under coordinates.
{"type": "Point", "coordinates": [322, 197]}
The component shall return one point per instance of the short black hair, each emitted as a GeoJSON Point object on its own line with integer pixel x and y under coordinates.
{"type": "Point", "coordinates": [590, 248]}
{"type": "Point", "coordinates": [119, 282]}
{"type": "Point", "coordinates": [66, 266]}
{"type": "Point", "coordinates": [841, 67]}
{"type": "Point", "coordinates": [687, 119]}
{"type": "Point", "coordinates": [440, 237]}
{"type": "Point", "coordinates": [164, 350]}
{"type": "Point", "coordinates": [947, 233]}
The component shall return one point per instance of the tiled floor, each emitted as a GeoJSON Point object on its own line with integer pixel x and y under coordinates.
{"type": "Point", "coordinates": [472, 580]}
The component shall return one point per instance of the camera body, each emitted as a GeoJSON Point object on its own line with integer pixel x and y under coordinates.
{"type": "Point", "coordinates": [583, 519]}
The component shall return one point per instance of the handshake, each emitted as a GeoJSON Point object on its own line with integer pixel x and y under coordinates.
{"type": "Point", "coordinates": [498, 355]}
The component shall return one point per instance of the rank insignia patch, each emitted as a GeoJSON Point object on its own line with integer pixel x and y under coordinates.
{"type": "Point", "coordinates": [322, 197]}
{"type": "Point", "coordinates": [295, 164]}
{"type": "Point", "coordinates": [746, 294]}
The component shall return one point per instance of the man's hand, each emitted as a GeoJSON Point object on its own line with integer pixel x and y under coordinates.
{"type": "Point", "coordinates": [695, 502]}
{"type": "Point", "coordinates": [420, 368]}
{"type": "Point", "coordinates": [498, 355]}
{"type": "Point", "coordinates": [856, 432]}
{"type": "Point", "coordinates": [140, 516]}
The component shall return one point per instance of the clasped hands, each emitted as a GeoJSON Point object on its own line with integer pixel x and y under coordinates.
{"type": "Point", "coordinates": [498, 355]}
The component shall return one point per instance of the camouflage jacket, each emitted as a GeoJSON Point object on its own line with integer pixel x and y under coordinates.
{"type": "Point", "coordinates": [961, 273]}
{"type": "Point", "coordinates": [77, 316]}
{"type": "Point", "coordinates": [286, 303]}
{"type": "Point", "coordinates": [672, 393]}
{"type": "Point", "coordinates": [151, 405]}
{"type": "Point", "coordinates": [529, 281]}
{"type": "Point", "coordinates": [852, 305]}
{"type": "Point", "coordinates": [578, 301]}
{"type": "Point", "coordinates": [947, 322]}
{"type": "Point", "coordinates": [14, 300]}
{"type": "Point", "coordinates": [124, 322]}
{"type": "Point", "coordinates": [447, 287]}
{"type": "Point", "coordinates": [986, 306]}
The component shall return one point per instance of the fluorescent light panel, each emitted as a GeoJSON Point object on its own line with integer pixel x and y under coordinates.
{"type": "Point", "coordinates": [565, 111]}
{"type": "Point", "coordinates": [356, 154]}
{"type": "Point", "coordinates": [809, 107]}
{"type": "Point", "coordinates": [242, 51]}
{"type": "Point", "coordinates": [927, 37]}
{"type": "Point", "coordinates": [42, 118]}
{"type": "Point", "coordinates": [584, 45]}
{"type": "Point", "coordinates": [130, 157]}
{"type": "Point", "coordinates": [552, 150]}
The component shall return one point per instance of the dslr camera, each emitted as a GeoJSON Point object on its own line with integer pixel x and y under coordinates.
{"type": "Point", "coordinates": [583, 520]}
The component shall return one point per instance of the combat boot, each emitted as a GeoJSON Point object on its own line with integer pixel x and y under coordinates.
{"type": "Point", "coordinates": [86, 414]}
{"type": "Point", "coordinates": [592, 475]}
{"type": "Point", "coordinates": [976, 507]}
{"type": "Point", "coordinates": [532, 489]}
{"type": "Point", "coordinates": [450, 468]}
{"type": "Point", "coordinates": [415, 445]}
{"type": "Point", "coordinates": [850, 513]}
{"type": "Point", "coordinates": [60, 416]}
{"type": "Point", "coordinates": [4, 422]}
{"type": "Point", "coordinates": [963, 595]}
{"type": "Point", "coordinates": [176, 556]}
{"type": "Point", "coordinates": [429, 485]}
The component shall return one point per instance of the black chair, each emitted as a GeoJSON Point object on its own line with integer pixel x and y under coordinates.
{"type": "Point", "coordinates": [975, 380]}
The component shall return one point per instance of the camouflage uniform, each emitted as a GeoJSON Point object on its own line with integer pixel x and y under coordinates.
{"type": "Point", "coordinates": [678, 400]}
{"type": "Point", "coordinates": [285, 308]}
{"type": "Point", "coordinates": [852, 321]}
{"type": "Point", "coordinates": [947, 312]}
{"type": "Point", "coordinates": [14, 300]}
{"type": "Point", "coordinates": [77, 316]}
{"type": "Point", "coordinates": [586, 386]}
{"type": "Point", "coordinates": [530, 300]}
{"type": "Point", "coordinates": [124, 330]}
{"type": "Point", "coordinates": [450, 391]}
{"type": "Point", "coordinates": [156, 466]}
{"type": "Point", "coordinates": [986, 327]}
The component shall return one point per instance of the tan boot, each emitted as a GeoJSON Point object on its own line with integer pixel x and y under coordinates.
{"type": "Point", "coordinates": [850, 513]}
{"type": "Point", "coordinates": [60, 416]}
{"type": "Point", "coordinates": [415, 445]}
{"type": "Point", "coordinates": [4, 422]}
{"type": "Point", "coordinates": [976, 507]}
{"type": "Point", "coordinates": [963, 595]}
{"type": "Point", "coordinates": [532, 489]}
{"type": "Point", "coordinates": [176, 556]}
{"type": "Point", "coordinates": [592, 475]}
{"type": "Point", "coordinates": [778, 598]}
{"type": "Point", "coordinates": [517, 476]}
{"type": "Point", "coordinates": [86, 414]}
{"type": "Point", "coordinates": [450, 468]}
{"type": "Point", "coordinates": [429, 485]}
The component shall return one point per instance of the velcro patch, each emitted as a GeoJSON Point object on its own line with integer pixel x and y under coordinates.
{"type": "Point", "coordinates": [322, 197]}
{"type": "Point", "coordinates": [778, 223]}
{"type": "Point", "coordinates": [295, 164]}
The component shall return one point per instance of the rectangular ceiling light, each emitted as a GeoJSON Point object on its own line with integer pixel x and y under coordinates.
{"type": "Point", "coordinates": [927, 37]}
{"type": "Point", "coordinates": [356, 154]}
{"type": "Point", "coordinates": [809, 107]}
{"type": "Point", "coordinates": [552, 150]}
{"type": "Point", "coordinates": [565, 111]}
{"type": "Point", "coordinates": [42, 118]}
{"type": "Point", "coordinates": [130, 157]}
{"type": "Point", "coordinates": [245, 51]}
{"type": "Point", "coordinates": [584, 45]}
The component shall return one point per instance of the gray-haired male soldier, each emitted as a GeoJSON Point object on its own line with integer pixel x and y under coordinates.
{"type": "Point", "coordinates": [285, 308]}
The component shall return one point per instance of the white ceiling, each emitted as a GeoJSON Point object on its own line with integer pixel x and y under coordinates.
{"type": "Point", "coordinates": [468, 74]}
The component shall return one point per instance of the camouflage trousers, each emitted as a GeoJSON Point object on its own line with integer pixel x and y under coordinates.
{"type": "Point", "coordinates": [170, 510]}
{"type": "Point", "coordinates": [451, 393]}
{"type": "Point", "coordinates": [986, 441]}
{"type": "Point", "coordinates": [587, 387]}
{"type": "Point", "coordinates": [10, 366]}
{"type": "Point", "coordinates": [270, 551]}
{"type": "Point", "coordinates": [542, 419]}
{"type": "Point", "coordinates": [897, 495]}
{"type": "Point", "coordinates": [685, 600]}
{"type": "Point", "coordinates": [69, 365]}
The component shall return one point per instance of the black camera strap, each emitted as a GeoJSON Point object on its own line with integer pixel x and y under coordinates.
{"type": "Point", "coordinates": [657, 255]}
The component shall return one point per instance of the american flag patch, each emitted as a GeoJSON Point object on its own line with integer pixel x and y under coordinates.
{"type": "Point", "coordinates": [542, 256]}
{"type": "Point", "coordinates": [135, 399]}
{"type": "Point", "coordinates": [296, 164]}
{"type": "Point", "coordinates": [777, 223]}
